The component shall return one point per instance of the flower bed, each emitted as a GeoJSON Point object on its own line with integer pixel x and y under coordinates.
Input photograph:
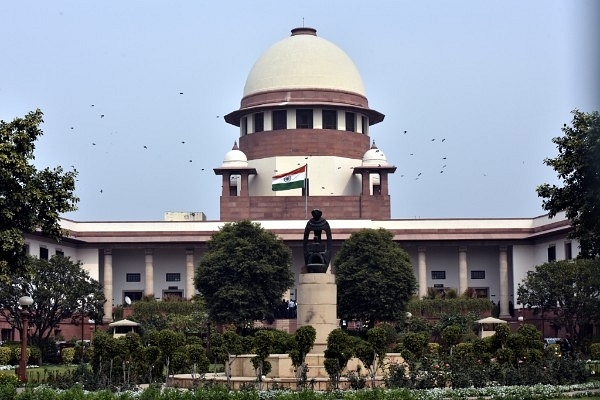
{"type": "Point", "coordinates": [220, 393]}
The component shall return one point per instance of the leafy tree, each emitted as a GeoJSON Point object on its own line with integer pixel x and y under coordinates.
{"type": "Point", "coordinates": [304, 340]}
{"type": "Point", "coordinates": [416, 343]}
{"type": "Point", "coordinates": [372, 351]}
{"type": "Point", "coordinates": [578, 165]}
{"type": "Point", "coordinates": [30, 200]}
{"type": "Point", "coordinates": [263, 347]}
{"type": "Point", "coordinates": [340, 349]}
{"type": "Point", "coordinates": [57, 287]}
{"type": "Point", "coordinates": [451, 336]}
{"type": "Point", "coordinates": [569, 288]}
{"type": "Point", "coordinates": [225, 347]}
{"type": "Point", "coordinates": [502, 332]}
{"type": "Point", "coordinates": [374, 277]}
{"type": "Point", "coordinates": [243, 273]}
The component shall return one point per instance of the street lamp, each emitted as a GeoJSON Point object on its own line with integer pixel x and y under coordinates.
{"type": "Point", "coordinates": [25, 302]}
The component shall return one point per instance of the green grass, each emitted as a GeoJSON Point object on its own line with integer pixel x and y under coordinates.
{"type": "Point", "coordinates": [38, 375]}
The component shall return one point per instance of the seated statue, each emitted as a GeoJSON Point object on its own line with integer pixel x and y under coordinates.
{"type": "Point", "coordinates": [317, 255]}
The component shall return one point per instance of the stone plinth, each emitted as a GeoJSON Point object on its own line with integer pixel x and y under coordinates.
{"type": "Point", "coordinates": [317, 306]}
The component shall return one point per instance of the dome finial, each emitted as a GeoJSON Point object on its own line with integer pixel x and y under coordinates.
{"type": "Point", "coordinates": [235, 146]}
{"type": "Point", "coordinates": [304, 30]}
{"type": "Point", "coordinates": [373, 146]}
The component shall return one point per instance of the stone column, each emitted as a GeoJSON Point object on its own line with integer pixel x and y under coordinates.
{"type": "Point", "coordinates": [225, 185]}
{"type": "Point", "coordinates": [244, 192]}
{"type": "Point", "coordinates": [189, 274]}
{"type": "Point", "coordinates": [149, 283]}
{"type": "Point", "coordinates": [383, 182]}
{"type": "Point", "coordinates": [317, 306]}
{"type": "Point", "coordinates": [463, 282]}
{"type": "Point", "coordinates": [108, 286]}
{"type": "Point", "coordinates": [503, 261]}
{"type": "Point", "coordinates": [422, 265]}
{"type": "Point", "coordinates": [366, 183]}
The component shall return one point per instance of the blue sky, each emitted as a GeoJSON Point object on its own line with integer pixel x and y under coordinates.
{"type": "Point", "coordinates": [495, 80]}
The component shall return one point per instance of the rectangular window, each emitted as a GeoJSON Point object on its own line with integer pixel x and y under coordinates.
{"type": "Point", "coordinates": [552, 253]}
{"type": "Point", "coordinates": [329, 119]}
{"type": "Point", "coordinates": [304, 118]}
{"type": "Point", "coordinates": [477, 274]}
{"type": "Point", "coordinates": [172, 294]}
{"type": "Point", "coordinates": [259, 122]}
{"type": "Point", "coordinates": [134, 295]}
{"type": "Point", "coordinates": [279, 119]}
{"type": "Point", "coordinates": [480, 293]}
{"type": "Point", "coordinates": [133, 277]}
{"type": "Point", "coordinates": [173, 277]}
{"type": "Point", "coordinates": [245, 126]}
{"type": "Point", "coordinates": [60, 253]}
{"type": "Point", "coordinates": [43, 253]}
{"type": "Point", "coordinates": [438, 274]}
{"type": "Point", "coordinates": [350, 118]}
{"type": "Point", "coordinates": [568, 251]}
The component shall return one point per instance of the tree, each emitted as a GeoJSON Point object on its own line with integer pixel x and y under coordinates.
{"type": "Point", "coordinates": [225, 348]}
{"type": "Point", "coordinates": [304, 340]}
{"type": "Point", "coordinates": [372, 352]}
{"type": "Point", "coordinates": [263, 347]}
{"type": "Point", "coordinates": [30, 200]}
{"type": "Point", "coordinates": [374, 277]}
{"type": "Point", "coordinates": [578, 165]}
{"type": "Point", "coordinates": [243, 273]}
{"type": "Point", "coordinates": [57, 287]}
{"type": "Point", "coordinates": [569, 288]}
{"type": "Point", "coordinates": [340, 349]}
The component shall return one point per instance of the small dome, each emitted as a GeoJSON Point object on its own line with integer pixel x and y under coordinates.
{"type": "Point", "coordinates": [235, 158]}
{"type": "Point", "coordinates": [374, 157]}
{"type": "Point", "coordinates": [304, 61]}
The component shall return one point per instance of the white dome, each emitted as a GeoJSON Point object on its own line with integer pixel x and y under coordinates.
{"type": "Point", "coordinates": [235, 158]}
{"type": "Point", "coordinates": [374, 157]}
{"type": "Point", "coordinates": [304, 61]}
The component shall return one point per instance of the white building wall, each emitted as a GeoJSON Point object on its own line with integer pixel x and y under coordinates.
{"type": "Point", "coordinates": [328, 176]}
{"type": "Point", "coordinates": [169, 261]}
{"type": "Point", "coordinates": [484, 258]}
{"type": "Point", "coordinates": [89, 259]}
{"type": "Point", "coordinates": [127, 261]}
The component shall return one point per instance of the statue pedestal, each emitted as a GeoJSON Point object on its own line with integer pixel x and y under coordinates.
{"type": "Point", "coordinates": [317, 306]}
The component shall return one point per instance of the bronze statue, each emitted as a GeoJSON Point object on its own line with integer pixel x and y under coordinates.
{"type": "Point", "coordinates": [317, 255]}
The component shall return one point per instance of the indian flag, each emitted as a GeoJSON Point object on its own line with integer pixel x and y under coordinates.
{"type": "Point", "coordinates": [290, 180]}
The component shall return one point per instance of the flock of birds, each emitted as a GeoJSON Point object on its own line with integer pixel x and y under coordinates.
{"type": "Point", "coordinates": [144, 146]}
{"type": "Point", "coordinates": [416, 175]}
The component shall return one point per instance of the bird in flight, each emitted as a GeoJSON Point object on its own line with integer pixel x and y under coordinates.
{"type": "Point", "coordinates": [145, 147]}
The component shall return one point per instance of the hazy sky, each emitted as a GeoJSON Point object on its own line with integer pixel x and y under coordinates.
{"type": "Point", "coordinates": [123, 83]}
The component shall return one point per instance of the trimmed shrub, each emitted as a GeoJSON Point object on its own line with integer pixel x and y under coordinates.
{"type": "Point", "coordinates": [5, 355]}
{"type": "Point", "coordinates": [68, 355]}
{"type": "Point", "coordinates": [595, 351]}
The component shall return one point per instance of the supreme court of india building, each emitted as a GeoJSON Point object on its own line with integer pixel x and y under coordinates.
{"type": "Point", "coordinates": [304, 104]}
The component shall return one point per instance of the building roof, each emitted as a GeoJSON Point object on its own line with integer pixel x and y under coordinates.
{"type": "Point", "coordinates": [303, 61]}
{"type": "Point", "coordinates": [408, 230]}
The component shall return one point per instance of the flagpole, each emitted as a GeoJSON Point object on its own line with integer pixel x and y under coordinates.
{"type": "Point", "coordinates": [306, 192]}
